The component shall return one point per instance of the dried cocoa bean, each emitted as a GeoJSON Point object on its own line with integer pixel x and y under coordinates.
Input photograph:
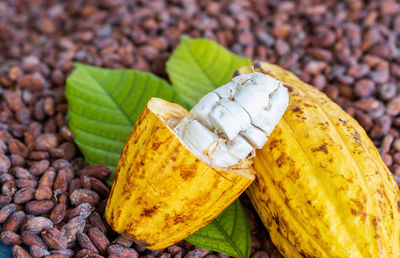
{"type": "Point", "coordinates": [47, 178]}
{"type": "Point", "coordinates": [84, 210]}
{"type": "Point", "coordinates": [19, 252]}
{"type": "Point", "coordinates": [7, 210]}
{"type": "Point", "coordinates": [37, 224]}
{"type": "Point", "coordinates": [43, 193]}
{"type": "Point", "coordinates": [99, 187]}
{"type": "Point", "coordinates": [122, 251]}
{"type": "Point", "coordinates": [85, 181]}
{"type": "Point", "coordinates": [62, 253]}
{"type": "Point", "coordinates": [61, 182]}
{"type": "Point", "coordinates": [5, 163]}
{"type": "Point", "coordinates": [14, 221]}
{"type": "Point", "coordinates": [22, 173]}
{"type": "Point", "coordinates": [45, 142]}
{"type": "Point", "coordinates": [39, 168]}
{"type": "Point", "coordinates": [85, 242]}
{"type": "Point", "coordinates": [24, 195]}
{"type": "Point", "coordinates": [98, 171]}
{"type": "Point", "coordinates": [18, 148]}
{"type": "Point", "coordinates": [84, 196]}
{"type": "Point", "coordinates": [10, 238]}
{"type": "Point", "coordinates": [54, 239]}
{"type": "Point", "coordinates": [39, 207]}
{"type": "Point", "coordinates": [39, 155]}
{"type": "Point", "coordinates": [37, 251]}
{"type": "Point", "coordinates": [9, 188]}
{"type": "Point", "coordinates": [123, 241]}
{"type": "Point", "coordinates": [74, 185]}
{"type": "Point", "coordinates": [58, 213]}
{"type": "Point", "coordinates": [98, 239]}
{"type": "Point", "coordinates": [4, 199]}
{"type": "Point", "coordinates": [73, 227]}
{"type": "Point", "coordinates": [21, 183]}
{"type": "Point", "coordinates": [96, 221]}
{"type": "Point", "coordinates": [30, 238]}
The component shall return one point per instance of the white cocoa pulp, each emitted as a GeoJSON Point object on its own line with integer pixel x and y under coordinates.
{"type": "Point", "coordinates": [232, 121]}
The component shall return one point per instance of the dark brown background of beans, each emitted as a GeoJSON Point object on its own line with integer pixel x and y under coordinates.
{"type": "Point", "coordinates": [348, 49]}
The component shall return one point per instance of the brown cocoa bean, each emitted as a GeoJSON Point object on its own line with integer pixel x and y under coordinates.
{"type": "Point", "coordinates": [85, 181]}
{"type": "Point", "coordinates": [14, 221]}
{"type": "Point", "coordinates": [43, 193]}
{"type": "Point", "coordinates": [84, 210]}
{"type": "Point", "coordinates": [39, 168]}
{"type": "Point", "coordinates": [58, 213]}
{"type": "Point", "coordinates": [98, 171]}
{"type": "Point", "coordinates": [5, 199]}
{"type": "Point", "coordinates": [96, 221]}
{"type": "Point", "coordinates": [39, 207]}
{"type": "Point", "coordinates": [74, 185]}
{"type": "Point", "coordinates": [10, 238]}
{"type": "Point", "coordinates": [61, 182]}
{"type": "Point", "coordinates": [99, 187]}
{"type": "Point", "coordinates": [47, 178]}
{"type": "Point", "coordinates": [22, 173]}
{"type": "Point", "coordinates": [9, 188]}
{"type": "Point", "coordinates": [37, 251]}
{"type": "Point", "coordinates": [67, 253]}
{"type": "Point", "coordinates": [18, 148]}
{"type": "Point", "coordinates": [73, 227]}
{"type": "Point", "coordinates": [85, 242]}
{"type": "Point", "coordinates": [37, 224]}
{"type": "Point", "coordinates": [98, 239]}
{"type": "Point", "coordinates": [21, 183]}
{"type": "Point", "coordinates": [45, 142]}
{"type": "Point", "coordinates": [54, 238]}
{"type": "Point", "coordinates": [123, 241]}
{"type": "Point", "coordinates": [84, 195]}
{"type": "Point", "coordinates": [122, 251]}
{"type": "Point", "coordinates": [19, 252]}
{"type": "Point", "coordinates": [29, 238]}
{"type": "Point", "coordinates": [7, 210]}
{"type": "Point", "coordinates": [24, 195]}
{"type": "Point", "coordinates": [5, 163]}
{"type": "Point", "coordinates": [39, 155]}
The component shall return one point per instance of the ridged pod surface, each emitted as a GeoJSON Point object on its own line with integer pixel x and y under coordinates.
{"type": "Point", "coordinates": [163, 193]}
{"type": "Point", "coordinates": [321, 188]}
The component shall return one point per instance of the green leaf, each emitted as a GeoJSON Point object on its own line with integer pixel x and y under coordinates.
{"type": "Point", "coordinates": [103, 106]}
{"type": "Point", "coordinates": [198, 66]}
{"type": "Point", "coordinates": [229, 233]}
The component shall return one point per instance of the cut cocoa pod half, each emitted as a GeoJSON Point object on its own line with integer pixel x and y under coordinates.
{"type": "Point", "coordinates": [163, 192]}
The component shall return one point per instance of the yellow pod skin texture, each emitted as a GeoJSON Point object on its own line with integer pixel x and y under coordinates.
{"type": "Point", "coordinates": [162, 192]}
{"type": "Point", "coordinates": [321, 188]}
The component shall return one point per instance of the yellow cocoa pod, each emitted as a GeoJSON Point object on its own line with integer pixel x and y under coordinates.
{"type": "Point", "coordinates": [162, 192]}
{"type": "Point", "coordinates": [321, 188]}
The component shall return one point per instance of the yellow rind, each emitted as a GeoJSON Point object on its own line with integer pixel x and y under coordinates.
{"type": "Point", "coordinates": [321, 188]}
{"type": "Point", "coordinates": [162, 193]}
